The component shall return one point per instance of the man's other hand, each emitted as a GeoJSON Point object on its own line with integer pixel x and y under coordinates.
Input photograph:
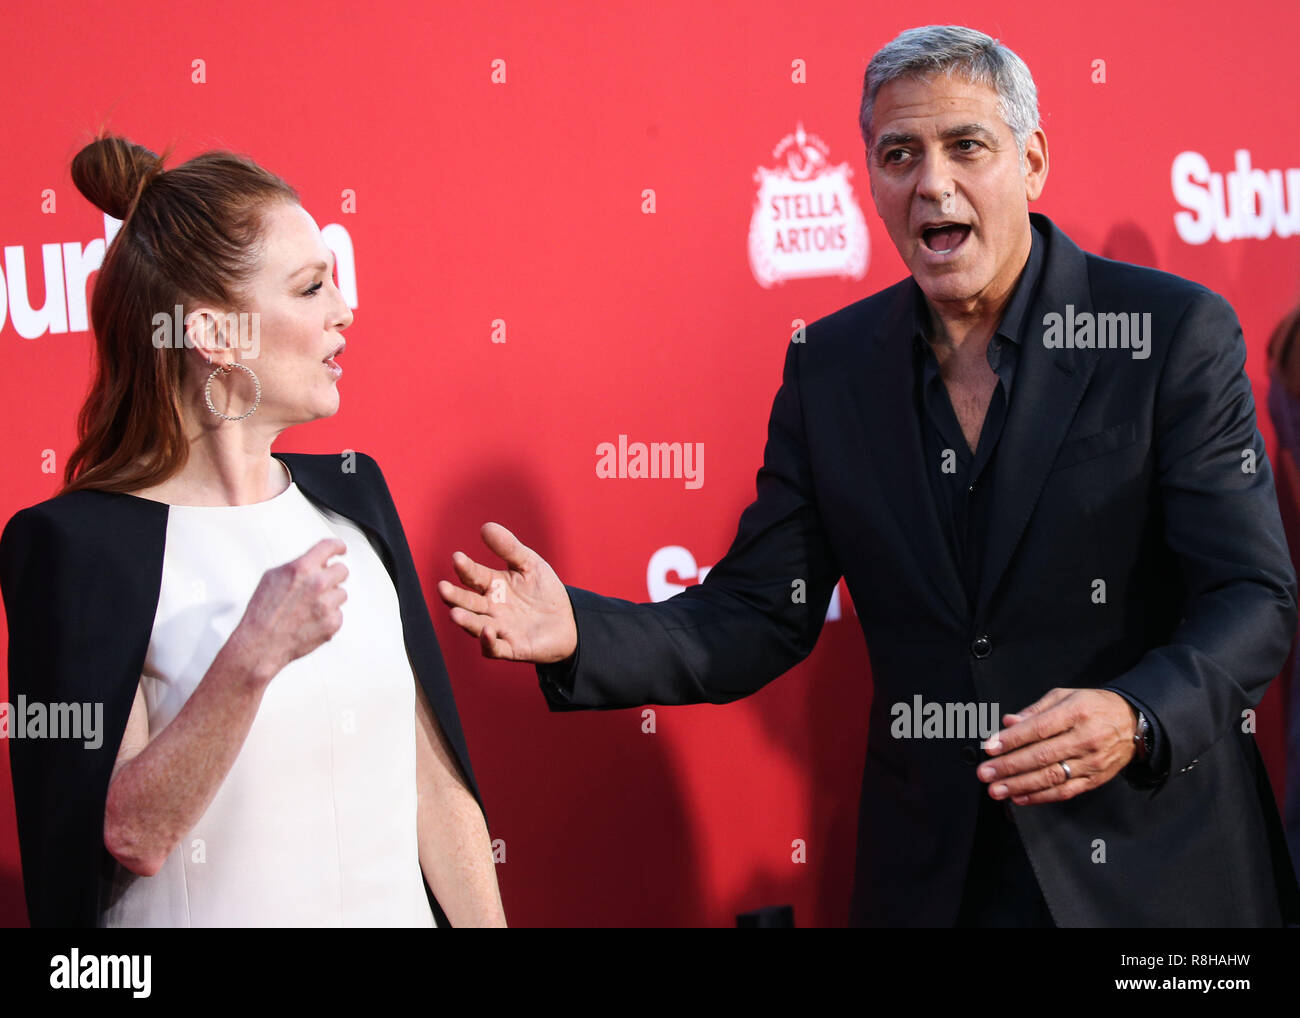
{"type": "Point", "coordinates": [1070, 741]}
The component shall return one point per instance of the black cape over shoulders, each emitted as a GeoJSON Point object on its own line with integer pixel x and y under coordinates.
{"type": "Point", "coordinates": [81, 575]}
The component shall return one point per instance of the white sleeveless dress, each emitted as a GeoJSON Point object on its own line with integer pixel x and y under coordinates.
{"type": "Point", "coordinates": [315, 824]}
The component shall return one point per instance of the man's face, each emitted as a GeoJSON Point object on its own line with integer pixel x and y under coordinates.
{"type": "Point", "coordinates": [944, 134]}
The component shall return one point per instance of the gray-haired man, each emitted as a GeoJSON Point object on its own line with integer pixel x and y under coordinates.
{"type": "Point", "coordinates": [1024, 518]}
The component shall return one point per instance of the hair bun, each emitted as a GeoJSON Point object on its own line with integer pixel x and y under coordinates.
{"type": "Point", "coordinates": [111, 171]}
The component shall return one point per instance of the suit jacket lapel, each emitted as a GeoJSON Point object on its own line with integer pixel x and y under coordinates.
{"type": "Point", "coordinates": [891, 436]}
{"type": "Point", "coordinates": [1049, 386]}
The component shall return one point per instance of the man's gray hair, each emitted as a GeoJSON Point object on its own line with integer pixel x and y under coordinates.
{"type": "Point", "coordinates": [952, 49]}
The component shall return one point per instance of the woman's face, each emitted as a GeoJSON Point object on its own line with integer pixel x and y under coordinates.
{"type": "Point", "coordinates": [301, 316]}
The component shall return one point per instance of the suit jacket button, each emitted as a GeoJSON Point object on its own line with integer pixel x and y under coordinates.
{"type": "Point", "coordinates": [969, 754]}
{"type": "Point", "coordinates": [982, 646]}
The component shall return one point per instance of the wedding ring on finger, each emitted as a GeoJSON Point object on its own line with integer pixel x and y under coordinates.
{"type": "Point", "coordinates": [1066, 768]}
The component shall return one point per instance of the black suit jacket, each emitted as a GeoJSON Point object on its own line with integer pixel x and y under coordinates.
{"type": "Point", "coordinates": [81, 574]}
{"type": "Point", "coordinates": [1113, 468]}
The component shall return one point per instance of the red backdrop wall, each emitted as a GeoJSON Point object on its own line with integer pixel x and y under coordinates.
{"type": "Point", "coordinates": [482, 203]}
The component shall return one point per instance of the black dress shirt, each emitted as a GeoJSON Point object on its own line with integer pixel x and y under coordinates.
{"type": "Point", "coordinates": [960, 481]}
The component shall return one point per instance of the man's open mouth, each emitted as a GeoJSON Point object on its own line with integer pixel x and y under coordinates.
{"type": "Point", "coordinates": [945, 238]}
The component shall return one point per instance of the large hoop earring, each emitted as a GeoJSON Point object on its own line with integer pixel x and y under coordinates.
{"type": "Point", "coordinates": [224, 369]}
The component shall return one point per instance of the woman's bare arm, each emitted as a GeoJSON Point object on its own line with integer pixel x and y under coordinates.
{"type": "Point", "coordinates": [455, 850]}
{"type": "Point", "coordinates": [160, 787]}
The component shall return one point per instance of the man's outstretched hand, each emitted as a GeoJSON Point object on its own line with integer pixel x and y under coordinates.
{"type": "Point", "coordinates": [520, 613]}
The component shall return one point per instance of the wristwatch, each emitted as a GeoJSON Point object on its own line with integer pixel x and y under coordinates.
{"type": "Point", "coordinates": [1143, 738]}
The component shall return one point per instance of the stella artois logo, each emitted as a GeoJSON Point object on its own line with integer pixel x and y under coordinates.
{"type": "Point", "coordinates": [806, 220]}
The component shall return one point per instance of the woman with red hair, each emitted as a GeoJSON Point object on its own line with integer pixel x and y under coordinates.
{"type": "Point", "coordinates": [269, 755]}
